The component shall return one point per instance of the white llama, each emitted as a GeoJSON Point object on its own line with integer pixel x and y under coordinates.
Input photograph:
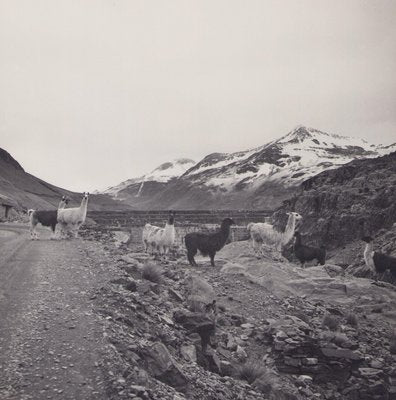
{"type": "Point", "coordinates": [72, 218]}
{"type": "Point", "coordinates": [265, 233]}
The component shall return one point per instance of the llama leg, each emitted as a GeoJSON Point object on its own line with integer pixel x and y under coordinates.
{"type": "Point", "coordinates": [62, 230]}
{"type": "Point", "coordinates": [35, 234]}
{"type": "Point", "coordinates": [53, 227]}
{"type": "Point", "coordinates": [31, 232]}
{"type": "Point", "coordinates": [190, 256]}
{"type": "Point", "coordinates": [256, 247]}
{"type": "Point", "coordinates": [212, 256]}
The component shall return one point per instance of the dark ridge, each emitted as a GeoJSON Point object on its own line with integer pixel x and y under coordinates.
{"type": "Point", "coordinates": [5, 156]}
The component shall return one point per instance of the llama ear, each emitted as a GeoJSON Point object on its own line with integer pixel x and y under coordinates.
{"type": "Point", "coordinates": [288, 214]}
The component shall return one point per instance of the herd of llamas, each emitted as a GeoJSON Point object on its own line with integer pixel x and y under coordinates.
{"type": "Point", "coordinates": [63, 221]}
{"type": "Point", "coordinates": [158, 241]}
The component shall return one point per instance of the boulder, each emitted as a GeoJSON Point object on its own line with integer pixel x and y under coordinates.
{"type": "Point", "coordinates": [199, 292]}
{"type": "Point", "coordinates": [196, 322]}
{"type": "Point", "coordinates": [121, 237]}
{"type": "Point", "coordinates": [162, 366]}
{"type": "Point", "coordinates": [189, 352]}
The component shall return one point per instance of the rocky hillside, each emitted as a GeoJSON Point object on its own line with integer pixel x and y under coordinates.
{"type": "Point", "coordinates": [24, 190]}
{"type": "Point", "coordinates": [278, 332]}
{"type": "Point", "coordinates": [344, 204]}
{"type": "Point", "coordinates": [252, 179]}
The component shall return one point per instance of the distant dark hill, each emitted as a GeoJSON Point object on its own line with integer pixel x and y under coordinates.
{"type": "Point", "coordinates": [27, 191]}
{"type": "Point", "coordinates": [344, 204]}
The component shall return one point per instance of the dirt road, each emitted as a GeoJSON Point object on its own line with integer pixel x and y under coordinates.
{"type": "Point", "coordinates": [50, 338]}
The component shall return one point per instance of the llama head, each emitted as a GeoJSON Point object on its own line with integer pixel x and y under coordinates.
{"type": "Point", "coordinates": [293, 216]}
{"type": "Point", "coordinates": [171, 218]}
{"type": "Point", "coordinates": [85, 196]}
{"type": "Point", "coordinates": [63, 203]}
{"type": "Point", "coordinates": [367, 239]}
{"type": "Point", "coordinates": [227, 222]}
{"type": "Point", "coordinates": [65, 200]}
{"type": "Point", "coordinates": [30, 212]}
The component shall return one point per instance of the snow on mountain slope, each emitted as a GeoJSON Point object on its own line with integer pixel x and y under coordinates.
{"type": "Point", "coordinates": [261, 177]}
{"type": "Point", "coordinates": [302, 153]}
{"type": "Point", "coordinates": [162, 174]}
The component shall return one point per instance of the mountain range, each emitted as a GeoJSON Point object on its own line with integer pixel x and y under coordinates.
{"type": "Point", "coordinates": [258, 178]}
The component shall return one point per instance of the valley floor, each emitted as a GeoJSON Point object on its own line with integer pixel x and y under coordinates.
{"type": "Point", "coordinates": [51, 340]}
{"type": "Point", "coordinates": [78, 321]}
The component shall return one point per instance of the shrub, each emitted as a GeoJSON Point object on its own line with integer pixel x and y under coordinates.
{"type": "Point", "coordinates": [352, 319]}
{"type": "Point", "coordinates": [250, 371]}
{"type": "Point", "coordinates": [331, 322]}
{"type": "Point", "coordinates": [152, 273]}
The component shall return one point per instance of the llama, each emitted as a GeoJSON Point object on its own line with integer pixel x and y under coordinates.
{"type": "Point", "coordinates": [207, 243]}
{"type": "Point", "coordinates": [72, 218]}
{"type": "Point", "coordinates": [45, 218]}
{"type": "Point", "coordinates": [147, 243]}
{"type": "Point", "coordinates": [159, 239]}
{"type": "Point", "coordinates": [307, 253]}
{"type": "Point", "coordinates": [263, 232]}
{"type": "Point", "coordinates": [378, 262]}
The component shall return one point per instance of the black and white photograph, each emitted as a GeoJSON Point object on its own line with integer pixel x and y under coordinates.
{"type": "Point", "coordinates": [197, 200]}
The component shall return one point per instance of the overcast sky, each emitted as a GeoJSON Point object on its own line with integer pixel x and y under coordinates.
{"type": "Point", "coordinates": [94, 92]}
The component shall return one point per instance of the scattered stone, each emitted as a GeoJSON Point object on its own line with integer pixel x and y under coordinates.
{"type": "Point", "coordinates": [163, 367]}
{"type": "Point", "coordinates": [189, 352]}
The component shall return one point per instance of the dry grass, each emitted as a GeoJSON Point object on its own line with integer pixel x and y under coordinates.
{"type": "Point", "coordinates": [250, 371]}
{"type": "Point", "coordinates": [352, 319]}
{"type": "Point", "coordinates": [152, 273]}
{"type": "Point", "coordinates": [331, 322]}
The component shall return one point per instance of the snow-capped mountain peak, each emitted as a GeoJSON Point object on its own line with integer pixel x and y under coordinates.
{"type": "Point", "coordinates": [265, 174]}
{"type": "Point", "coordinates": [162, 174]}
{"type": "Point", "coordinates": [296, 156]}
{"type": "Point", "coordinates": [169, 170]}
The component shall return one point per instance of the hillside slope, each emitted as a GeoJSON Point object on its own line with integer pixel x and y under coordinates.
{"type": "Point", "coordinates": [342, 205]}
{"type": "Point", "coordinates": [27, 191]}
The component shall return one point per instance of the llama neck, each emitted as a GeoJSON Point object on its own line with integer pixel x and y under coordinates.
{"type": "Point", "coordinates": [169, 227]}
{"type": "Point", "coordinates": [368, 255]}
{"type": "Point", "coordinates": [289, 230]}
{"type": "Point", "coordinates": [83, 207]}
{"type": "Point", "coordinates": [225, 232]}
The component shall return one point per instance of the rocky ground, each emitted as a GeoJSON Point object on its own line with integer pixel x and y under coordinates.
{"type": "Point", "coordinates": [275, 331]}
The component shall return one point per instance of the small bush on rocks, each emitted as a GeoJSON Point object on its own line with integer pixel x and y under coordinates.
{"type": "Point", "coordinates": [352, 319]}
{"type": "Point", "coordinates": [250, 371]}
{"type": "Point", "coordinates": [152, 273]}
{"type": "Point", "coordinates": [331, 322]}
